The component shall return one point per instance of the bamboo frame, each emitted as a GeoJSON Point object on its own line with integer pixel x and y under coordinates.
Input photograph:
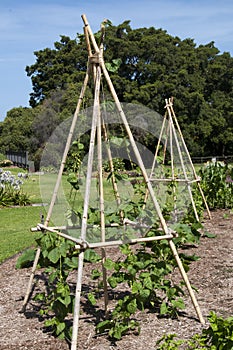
{"type": "Point", "coordinates": [97, 67]}
{"type": "Point", "coordinates": [172, 126]}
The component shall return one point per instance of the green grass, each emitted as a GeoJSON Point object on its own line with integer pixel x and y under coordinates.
{"type": "Point", "coordinates": [16, 222]}
{"type": "Point", "coordinates": [15, 234]}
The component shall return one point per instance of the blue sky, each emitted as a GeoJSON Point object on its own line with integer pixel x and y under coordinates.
{"type": "Point", "coordinates": [27, 26]}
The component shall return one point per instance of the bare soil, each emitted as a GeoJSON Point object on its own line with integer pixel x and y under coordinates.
{"type": "Point", "coordinates": [212, 275]}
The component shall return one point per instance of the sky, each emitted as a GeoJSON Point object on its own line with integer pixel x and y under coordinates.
{"type": "Point", "coordinates": [27, 26]}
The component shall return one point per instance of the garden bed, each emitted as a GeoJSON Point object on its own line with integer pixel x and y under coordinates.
{"type": "Point", "coordinates": [212, 275]}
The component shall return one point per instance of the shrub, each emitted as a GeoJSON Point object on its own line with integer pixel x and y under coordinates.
{"type": "Point", "coordinates": [217, 185]}
{"type": "Point", "coordinates": [10, 189]}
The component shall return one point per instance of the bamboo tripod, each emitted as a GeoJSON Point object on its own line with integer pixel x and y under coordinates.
{"type": "Point", "coordinates": [96, 69]}
{"type": "Point", "coordinates": [172, 134]}
{"type": "Point", "coordinates": [173, 137]}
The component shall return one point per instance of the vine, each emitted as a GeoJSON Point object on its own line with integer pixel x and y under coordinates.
{"type": "Point", "coordinates": [144, 271]}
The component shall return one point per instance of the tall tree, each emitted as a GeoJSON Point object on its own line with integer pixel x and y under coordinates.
{"type": "Point", "coordinates": [154, 66]}
{"type": "Point", "coordinates": [16, 129]}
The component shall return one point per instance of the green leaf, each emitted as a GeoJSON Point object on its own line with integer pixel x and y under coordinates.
{"type": "Point", "coordinates": [112, 281]}
{"type": "Point", "coordinates": [148, 283]}
{"type": "Point", "coordinates": [178, 303]}
{"type": "Point", "coordinates": [60, 327]}
{"type": "Point", "coordinates": [109, 264]}
{"type": "Point", "coordinates": [132, 306]}
{"type": "Point", "coordinates": [144, 294]}
{"type": "Point", "coordinates": [163, 308]}
{"type": "Point", "coordinates": [54, 255]}
{"type": "Point", "coordinates": [95, 274]}
{"type": "Point", "coordinates": [91, 256]}
{"type": "Point", "coordinates": [116, 332]}
{"type": "Point", "coordinates": [91, 298]}
{"type": "Point", "coordinates": [26, 259]}
{"type": "Point", "coordinates": [103, 326]}
{"type": "Point", "coordinates": [136, 287]}
{"type": "Point", "coordinates": [65, 301]}
{"type": "Point", "coordinates": [39, 297]}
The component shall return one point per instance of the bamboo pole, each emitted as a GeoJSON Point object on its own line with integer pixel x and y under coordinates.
{"type": "Point", "coordinates": [85, 211]}
{"type": "Point", "coordinates": [96, 48]}
{"type": "Point", "coordinates": [101, 201]}
{"type": "Point", "coordinates": [150, 188]}
{"type": "Point", "coordinates": [182, 161]}
{"type": "Point", "coordinates": [134, 146]}
{"type": "Point", "coordinates": [56, 188]}
{"type": "Point", "coordinates": [101, 187]}
{"type": "Point", "coordinates": [155, 158]}
{"type": "Point", "coordinates": [186, 280]}
{"type": "Point", "coordinates": [112, 170]}
{"type": "Point", "coordinates": [188, 154]}
{"type": "Point", "coordinates": [129, 241]}
{"type": "Point", "coordinates": [81, 244]}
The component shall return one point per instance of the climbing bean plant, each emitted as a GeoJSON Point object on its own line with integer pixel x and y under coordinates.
{"type": "Point", "coordinates": [143, 270]}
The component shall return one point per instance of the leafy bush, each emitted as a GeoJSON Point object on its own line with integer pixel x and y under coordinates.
{"type": "Point", "coordinates": [26, 259]}
{"type": "Point", "coordinates": [217, 185]}
{"type": "Point", "coordinates": [218, 336]}
{"type": "Point", "coordinates": [10, 189]}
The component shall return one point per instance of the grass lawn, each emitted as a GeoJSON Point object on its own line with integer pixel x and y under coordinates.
{"type": "Point", "coordinates": [15, 234]}
{"type": "Point", "coordinates": [16, 222]}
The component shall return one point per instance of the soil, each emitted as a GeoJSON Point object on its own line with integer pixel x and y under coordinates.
{"type": "Point", "coordinates": [212, 275]}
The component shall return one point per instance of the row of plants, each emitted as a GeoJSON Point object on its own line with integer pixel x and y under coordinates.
{"type": "Point", "coordinates": [144, 271]}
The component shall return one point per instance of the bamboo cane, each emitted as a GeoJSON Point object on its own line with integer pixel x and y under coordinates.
{"type": "Point", "coordinates": [186, 280]}
{"type": "Point", "coordinates": [188, 154]}
{"type": "Point", "coordinates": [56, 188]}
{"type": "Point", "coordinates": [182, 161]}
{"type": "Point", "coordinates": [150, 188]}
{"type": "Point", "coordinates": [101, 201]}
{"type": "Point", "coordinates": [85, 210]}
{"type": "Point", "coordinates": [155, 159]}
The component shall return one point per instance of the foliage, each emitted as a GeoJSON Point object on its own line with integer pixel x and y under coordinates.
{"type": "Point", "coordinates": [16, 129]}
{"type": "Point", "coordinates": [146, 271]}
{"type": "Point", "coordinates": [217, 185]}
{"type": "Point", "coordinates": [74, 157]}
{"type": "Point", "coordinates": [143, 270]}
{"type": "Point", "coordinates": [26, 259]}
{"type": "Point", "coordinates": [10, 192]}
{"type": "Point", "coordinates": [146, 65]}
{"type": "Point", "coordinates": [218, 336]}
{"type": "Point", "coordinates": [59, 257]}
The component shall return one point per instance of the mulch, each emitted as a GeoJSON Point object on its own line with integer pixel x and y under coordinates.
{"type": "Point", "coordinates": [212, 275]}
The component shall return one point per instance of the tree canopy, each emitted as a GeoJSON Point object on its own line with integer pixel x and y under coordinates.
{"type": "Point", "coordinates": [153, 66]}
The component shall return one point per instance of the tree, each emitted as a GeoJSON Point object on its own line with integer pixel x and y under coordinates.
{"type": "Point", "coordinates": [16, 129]}
{"type": "Point", "coordinates": [55, 68]}
{"type": "Point", "coordinates": [154, 66]}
